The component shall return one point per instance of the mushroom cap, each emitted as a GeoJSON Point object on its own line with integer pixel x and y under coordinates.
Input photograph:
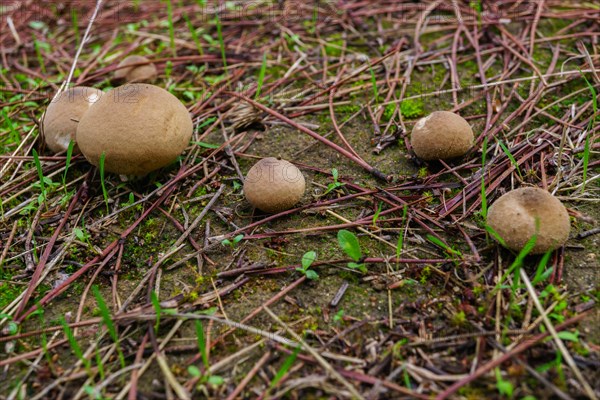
{"type": "Point", "coordinates": [274, 185]}
{"type": "Point", "coordinates": [513, 216]}
{"type": "Point", "coordinates": [139, 73]}
{"type": "Point", "coordinates": [441, 135]}
{"type": "Point", "coordinates": [140, 128]}
{"type": "Point", "coordinates": [63, 114]}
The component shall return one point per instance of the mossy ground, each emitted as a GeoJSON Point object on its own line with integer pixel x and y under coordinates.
{"type": "Point", "coordinates": [432, 301]}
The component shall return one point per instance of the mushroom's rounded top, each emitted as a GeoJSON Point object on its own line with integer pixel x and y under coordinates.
{"type": "Point", "coordinates": [136, 73]}
{"type": "Point", "coordinates": [60, 120]}
{"type": "Point", "coordinates": [274, 185]}
{"type": "Point", "coordinates": [513, 216]}
{"type": "Point", "coordinates": [139, 127]}
{"type": "Point", "coordinates": [441, 135]}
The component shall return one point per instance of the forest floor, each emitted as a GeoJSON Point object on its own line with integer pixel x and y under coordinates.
{"type": "Point", "coordinates": [172, 286]}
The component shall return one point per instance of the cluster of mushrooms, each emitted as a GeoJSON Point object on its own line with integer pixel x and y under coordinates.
{"type": "Point", "coordinates": [138, 128]}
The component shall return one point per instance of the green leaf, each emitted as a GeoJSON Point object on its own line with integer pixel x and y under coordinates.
{"type": "Point", "coordinates": [349, 243]}
{"type": "Point", "coordinates": [310, 274]}
{"type": "Point", "coordinates": [360, 267]}
{"type": "Point", "coordinates": [570, 336]}
{"type": "Point", "coordinates": [194, 371]}
{"type": "Point", "coordinates": [215, 380]}
{"type": "Point", "coordinates": [308, 258]}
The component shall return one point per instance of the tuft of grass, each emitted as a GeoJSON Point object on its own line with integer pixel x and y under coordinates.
{"type": "Point", "coordinates": [541, 273]}
{"type": "Point", "coordinates": [102, 183]}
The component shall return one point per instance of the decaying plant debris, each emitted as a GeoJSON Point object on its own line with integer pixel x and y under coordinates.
{"type": "Point", "coordinates": [382, 283]}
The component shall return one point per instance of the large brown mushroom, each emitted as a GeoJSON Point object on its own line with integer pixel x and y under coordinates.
{"type": "Point", "coordinates": [139, 128]}
{"type": "Point", "coordinates": [274, 185]}
{"type": "Point", "coordinates": [441, 135]}
{"type": "Point", "coordinates": [514, 217]}
{"type": "Point", "coordinates": [62, 116]}
{"type": "Point", "coordinates": [136, 73]}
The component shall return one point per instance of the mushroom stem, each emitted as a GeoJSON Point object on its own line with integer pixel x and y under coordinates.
{"type": "Point", "coordinates": [374, 171]}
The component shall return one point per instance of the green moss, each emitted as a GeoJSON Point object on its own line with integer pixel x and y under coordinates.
{"type": "Point", "coordinates": [412, 108]}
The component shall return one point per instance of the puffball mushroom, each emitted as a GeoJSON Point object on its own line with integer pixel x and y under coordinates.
{"type": "Point", "coordinates": [441, 135]}
{"type": "Point", "coordinates": [62, 116]}
{"type": "Point", "coordinates": [274, 185]}
{"type": "Point", "coordinates": [513, 216]}
{"type": "Point", "coordinates": [139, 127]}
{"type": "Point", "coordinates": [136, 73]}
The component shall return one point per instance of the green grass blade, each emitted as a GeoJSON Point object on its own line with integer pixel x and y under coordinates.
{"type": "Point", "coordinates": [108, 322]}
{"type": "Point", "coordinates": [202, 343]}
{"type": "Point", "coordinates": [285, 367]}
{"type": "Point", "coordinates": [38, 166]}
{"type": "Point", "coordinates": [510, 157]}
{"type": "Point", "coordinates": [261, 76]}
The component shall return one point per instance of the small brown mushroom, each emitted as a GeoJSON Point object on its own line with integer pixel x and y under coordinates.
{"type": "Point", "coordinates": [139, 127]}
{"type": "Point", "coordinates": [513, 216]}
{"type": "Point", "coordinates": [274, 185]}
{"type": "Point", "coordinates": [441, 135]}
{"type": "Point", "coordinates": [136, 73]}
{"type": "Point", "coordinates": [60, 120]}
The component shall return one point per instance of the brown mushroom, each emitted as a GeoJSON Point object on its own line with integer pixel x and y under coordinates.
{"type": "Point", "coordinates": [59, 123]}
{"type": "Point", "coordinates": [441, 135]}
{"type": "Point", "coordinates": [274, 185]}
{"type": "Point", "coordinates": [136, 73]}
{"type": "Point", "coordinates": [515, 214]}
{"type": "Point", "coordinates": [139, 127]}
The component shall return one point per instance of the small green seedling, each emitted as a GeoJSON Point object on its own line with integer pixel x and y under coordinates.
{"type": "Point", "coordinates": [335, 184]}
{"type": "Point", "coordinates": [349, 243]}
{"type": "Point", "coordinates": [307, 259]}
{"type": "Point", "coordinates": [233, 242]}
{"type": "Point", "coordinates": [339, 316]}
